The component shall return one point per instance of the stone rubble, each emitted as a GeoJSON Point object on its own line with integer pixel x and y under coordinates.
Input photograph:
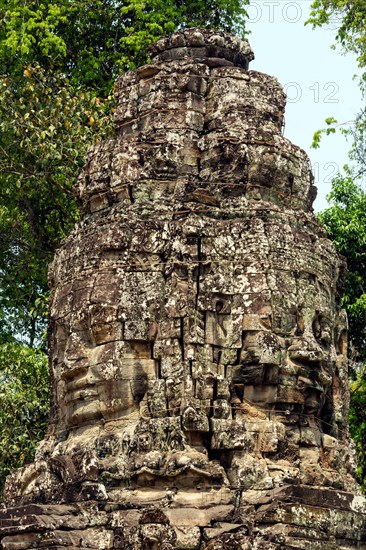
{"type": "Point", "coordinates": [197, 344]}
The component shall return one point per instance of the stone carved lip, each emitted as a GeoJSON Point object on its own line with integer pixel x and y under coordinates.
{"type": "Point", "coordinates": [305, 356]}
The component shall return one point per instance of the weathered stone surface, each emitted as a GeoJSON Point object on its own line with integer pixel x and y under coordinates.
{"type": "Point", "coordinates": [197, 348]}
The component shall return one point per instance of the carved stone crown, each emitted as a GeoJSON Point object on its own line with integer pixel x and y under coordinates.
{"type": "Point", "coordinates": [203, 44]}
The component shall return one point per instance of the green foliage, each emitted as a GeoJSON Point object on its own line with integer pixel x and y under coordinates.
{"type": "Point", "coordinates": [349, 17]}
{"type": "Point", "coordinates": [93, 41]}
{"type": "Point", "coordinates": [357, 153]}
{"type": "Point", "coordinates": [345, 222]}
{"type": "Point", "coordinates": [345, 219]}
{"type": "Point", "coordinates": [331, 122]}
{"type": "Point", "coordinates": [46, 127]}
{"type": "Point", "coordinates": [357, 420]}
{"type": "Point", "coordinates": [24, 405]}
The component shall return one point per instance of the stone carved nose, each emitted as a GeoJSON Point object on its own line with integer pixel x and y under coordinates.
{"type": "Point", "coordinates": [305, 383]}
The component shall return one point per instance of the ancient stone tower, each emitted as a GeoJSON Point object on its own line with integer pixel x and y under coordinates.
{"type": "Point", "coordinates": [198, 349]}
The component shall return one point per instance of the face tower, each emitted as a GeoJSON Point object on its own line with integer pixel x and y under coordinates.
{"type": "Point", "coordinates": [197, 344]}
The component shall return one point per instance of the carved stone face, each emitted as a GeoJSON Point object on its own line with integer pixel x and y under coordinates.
{"type": "Point", "coordinates": [164, 345]}
{"type": "Point", "coordinates": [198, 278]}
{"type": "Point", "coordinates": [99, 376]}
{"type": "Point", "coordinates": [288, 359]}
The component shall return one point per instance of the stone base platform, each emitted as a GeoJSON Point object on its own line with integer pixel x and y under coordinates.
{"type": "Point", "coordinates": [288, 518]}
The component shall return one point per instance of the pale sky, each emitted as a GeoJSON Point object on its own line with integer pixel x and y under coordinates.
{"type": "Point", "coordinates": [318, 80]}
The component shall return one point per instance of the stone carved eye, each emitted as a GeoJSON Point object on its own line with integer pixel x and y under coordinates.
{"type": "Point", "coordinates": [322, 330]}
{"type": "Point", "coordinates": [290, 180]}
{"type": "Point", "coordinates": [316, 328]}
{"type": "Point", "coordinates": [341, 343]}
{"type": "Point", "coordinates": [181, 271]}
{"type": "Point", "coordinates": [300, 325]}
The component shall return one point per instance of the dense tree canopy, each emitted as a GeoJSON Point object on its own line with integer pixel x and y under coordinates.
{"type": "Point", "coordinates": [93, 41]}
{"type": "Point", "coordinates": [345, 222]}
{"type": "Point", "coordinates": [23, 405]}
{"type": "Point", "coordinates": [46, 126]}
